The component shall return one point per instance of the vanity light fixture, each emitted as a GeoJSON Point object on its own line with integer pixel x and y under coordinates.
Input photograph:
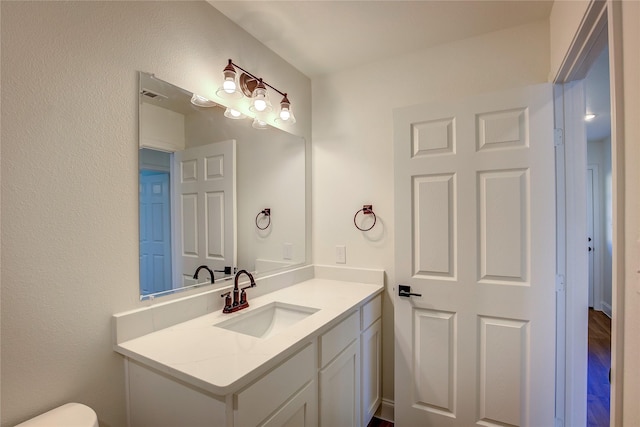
{"type": "Point", "coordinates": [254, 88]}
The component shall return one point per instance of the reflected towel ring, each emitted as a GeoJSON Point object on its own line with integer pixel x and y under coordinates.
{"type": "Point", "coordinates": [266, 212]}
{"type": "Point", "coordinates": [367, 210]}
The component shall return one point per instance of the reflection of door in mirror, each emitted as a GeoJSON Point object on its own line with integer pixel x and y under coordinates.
{"type": "Point", "coordinates": [205, 184]}
{"type": "Point", "coordinates": [155, 222]}
{"type": "Point", "coordinates": [199, 217]}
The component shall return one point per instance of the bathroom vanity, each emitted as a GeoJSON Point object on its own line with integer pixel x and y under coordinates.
{"type": "Point", "coordinates": [303, 355]}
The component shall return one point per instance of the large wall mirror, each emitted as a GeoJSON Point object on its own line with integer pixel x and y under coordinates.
{"type": "Point", "coordinates": [214, 192]}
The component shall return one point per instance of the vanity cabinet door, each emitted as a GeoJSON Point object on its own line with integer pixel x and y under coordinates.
{"type": "Point", "coordinates": [340, 389]}
{"type": "Point", "coordinates": [299, 411]}
{"type": "Point", "coordinates": [370, 353]}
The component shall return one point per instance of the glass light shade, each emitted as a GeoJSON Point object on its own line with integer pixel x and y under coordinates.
{"type": "Point", "coordinates": [286, 115]}
{"type": "Point", "coordinates": [260, 99]}
{"type": "Point", "coordinates": [229, 88]}
{"type": "Point", "coordinates": [201, 101]}
{"type": "Point", "coordinates": [233, 114]}
{"type": "Point", "coordinates": [259, 124]}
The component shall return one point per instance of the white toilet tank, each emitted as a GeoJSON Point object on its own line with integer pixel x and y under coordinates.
{"type": "Point", "coordinates": [69, 415]}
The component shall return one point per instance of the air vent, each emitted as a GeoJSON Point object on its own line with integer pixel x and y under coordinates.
{"type": "Point", "coordinates": [151, 94]}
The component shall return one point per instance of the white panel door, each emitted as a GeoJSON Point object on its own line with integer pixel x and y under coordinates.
{"type": "Point", "coordinates": [155, 231]}
{"type": "Point", "coordinates": [205, 212]}
{"type": "Point", "coordinates": [475, 236]}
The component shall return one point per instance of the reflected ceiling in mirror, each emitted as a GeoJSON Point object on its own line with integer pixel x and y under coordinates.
{"type": "Point", "coordinates": [213, 191]}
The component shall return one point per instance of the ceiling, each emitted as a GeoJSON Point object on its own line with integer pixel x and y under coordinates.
{"type": "Point", "coordinates": [319, 37]}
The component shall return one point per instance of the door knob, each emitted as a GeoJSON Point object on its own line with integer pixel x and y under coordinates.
{"type": "Point", "coordinates": [405, 291]}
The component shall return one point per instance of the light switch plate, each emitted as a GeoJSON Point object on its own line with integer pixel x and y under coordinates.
{"type": "Point", "coordinates": [287, 251]}
{"type": "Point", "coordinates": [341, 254]}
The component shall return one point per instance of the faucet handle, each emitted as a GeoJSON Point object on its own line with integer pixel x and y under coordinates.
{"type": "Point", "coordinates": [243, 294]}
{"type": "Point", "coordinates": [227, 299]}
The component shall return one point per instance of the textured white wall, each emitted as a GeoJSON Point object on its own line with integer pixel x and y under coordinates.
{"type": "Point", "coordinates": [565, 19]}
{"type": "Point", "coordinates": [353, 138]}
{"type": "Point", "coordinates": [69, 179]}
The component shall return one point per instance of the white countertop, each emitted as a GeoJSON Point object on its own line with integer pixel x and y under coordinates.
{"type": "Point", "coordinates": [222, 361]}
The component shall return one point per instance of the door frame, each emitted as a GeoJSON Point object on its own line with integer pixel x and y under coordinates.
{"type": "Point", "coordinates": [600, 26]}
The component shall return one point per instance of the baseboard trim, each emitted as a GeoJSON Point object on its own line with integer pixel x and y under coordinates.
{"type": "Point", "coordinates": [385, 411]}
{"type": "Point", "coordinates": [606, 309]}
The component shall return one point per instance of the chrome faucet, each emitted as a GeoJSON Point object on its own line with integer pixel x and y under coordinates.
{"type": "Point", "coordinates": [239, 295]}
{"type": "Point", "coordinates": [195, 275]}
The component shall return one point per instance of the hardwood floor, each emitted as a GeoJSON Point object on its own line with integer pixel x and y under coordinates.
{"type": "Point", "coordinates": [598, 387]}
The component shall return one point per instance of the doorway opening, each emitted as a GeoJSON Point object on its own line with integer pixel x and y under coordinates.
{"type": "Point", "coordinates": [599, 238]}
{"type": "Point", "coordinates": [599, 30]}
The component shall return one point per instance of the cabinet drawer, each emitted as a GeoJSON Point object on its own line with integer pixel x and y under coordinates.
{"type": "Point", "coordinates": [258, 400]}
{"type": "Point", "coordinates": [371, 312]}
{"type": "Point", "coordinates": [334, 341]}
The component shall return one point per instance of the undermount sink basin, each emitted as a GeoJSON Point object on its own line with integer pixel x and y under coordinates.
{"type": "Point", "coordinates": [266, 321]}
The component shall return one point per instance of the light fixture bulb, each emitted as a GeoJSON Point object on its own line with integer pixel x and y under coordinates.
{"type": "Point", "coordinates": [589, 117]}
{"type": "Point", "coordinates": [260, 102]}
{"type": "Point", "coordinates": [229, 85]}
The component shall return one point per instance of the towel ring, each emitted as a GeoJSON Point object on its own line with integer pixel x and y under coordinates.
{"type": "Point", "coordinates": [367, 210]}
{"type": "Point", "coordinates": [266, 212]}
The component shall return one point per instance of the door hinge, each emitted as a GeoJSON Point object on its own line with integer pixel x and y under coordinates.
{"type": "Point", "coordinates": [559, 283]}
{"type": "Point", "coordinates": [558, 137]}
